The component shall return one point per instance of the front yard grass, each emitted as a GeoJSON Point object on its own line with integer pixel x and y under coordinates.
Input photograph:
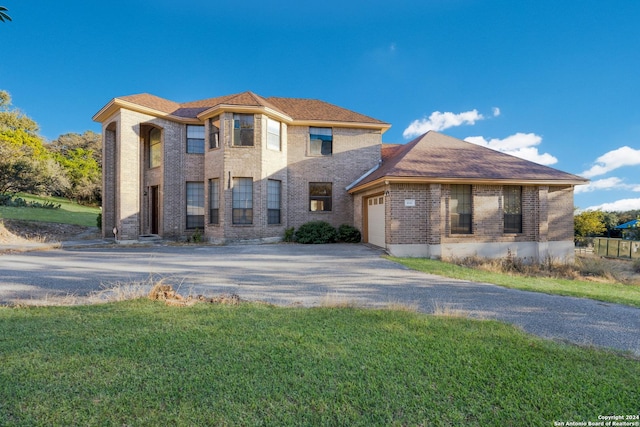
{"type": "Point", "coordinates": [619, 293]}
{"type": "Point", "coordinates": [68, 213]}
{"type": "Point", "coordinates": [140, 362]}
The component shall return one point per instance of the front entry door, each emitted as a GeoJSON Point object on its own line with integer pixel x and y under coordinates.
{"type": "Point", "coordinates": [155, 209]}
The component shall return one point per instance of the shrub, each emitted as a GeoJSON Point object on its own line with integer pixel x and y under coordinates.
{"type": "Point", "coordinates": [99, 220]}
{"type": "Point", "coordinates": [289, 235]}
{"type": "Point", "coordinates": [316, 232]}
{"type": "Point", "coordinates": [196, 236]}
{"type": "Point", "coordinates": [349, 234]}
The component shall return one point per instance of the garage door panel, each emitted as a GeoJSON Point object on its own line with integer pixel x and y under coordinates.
{"type": "Point", "coordinates": [376, 221]}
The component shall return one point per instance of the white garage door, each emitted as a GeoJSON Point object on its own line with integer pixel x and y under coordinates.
{"type": "Point", "coordinates": [376, 221]}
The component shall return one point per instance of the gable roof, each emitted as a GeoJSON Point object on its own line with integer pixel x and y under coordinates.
{"type": "Point", "coordinates": [292, 110]}
{"type": "Point", "coordinates": [434, 157]}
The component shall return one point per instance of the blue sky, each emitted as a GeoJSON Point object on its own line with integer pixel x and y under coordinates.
{"type": "Point", "coordinates": [556, 82]}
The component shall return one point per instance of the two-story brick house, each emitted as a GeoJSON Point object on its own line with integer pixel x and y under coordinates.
{"type": "Point", "coordinates": [238, 167]}
{"type": "Point", "coordinates": [244, 167]}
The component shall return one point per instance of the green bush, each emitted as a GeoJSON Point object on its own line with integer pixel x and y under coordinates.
{"type": "Point", "coordinates": [289, 235]}
{"type": "Point", "coordinates": [19, 202]}
{"type": "Point", "coordinates": [316, 232]}
{"type": "Point", "coordinates": [349, 234]}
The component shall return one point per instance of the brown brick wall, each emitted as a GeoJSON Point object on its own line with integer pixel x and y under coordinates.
{"type": "Point", "coordinates": [407, 224]}
{"type": "Point", "coordinates": [547, 215]}
{"type": "Point", "coordinates": [355, 151]}
{"type": "Point", "coordinates": [560, 201]}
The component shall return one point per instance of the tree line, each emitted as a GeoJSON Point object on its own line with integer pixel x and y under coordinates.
{"type": "Point", "coordinates": [69, 166]}
{"type": "Point", "coordinates": [588, 224]}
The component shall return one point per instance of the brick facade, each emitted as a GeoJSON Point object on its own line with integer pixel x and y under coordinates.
{"type": "Point", "coordinates": [129, 183]}
{"type": "Point", "coordinates": [418, 221]}
{"type": "Point", "coordinates": [414, 181]}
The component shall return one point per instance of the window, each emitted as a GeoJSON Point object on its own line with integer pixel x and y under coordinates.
{"type": "Point", "coordinates": [155, 148]}
{"type": "Point", "coordinates": [460, 209]}
{"type": "Point", "coordinates": [273, 135]}
{"type": "Point", "coordinates": [214, 132]}
{"type": "Point", "coordinates": [195, 205]}
{"type": "Point", "coordinates": [320, 141]}
{"type": "Point", "coordinates": [512, 209]}
{"type": "Point", "coordinates": [214, 201]}
{"type": "Point", "coordinates": [195, 139]}
{"type": "Point", "coordinates": [243, 130]}
{"type": "Point", "coordinates": [242, 201]}
{"type": "Point", "coordinates": [273, 201]}
{"type": "Point", "coordinates": [320, 196]}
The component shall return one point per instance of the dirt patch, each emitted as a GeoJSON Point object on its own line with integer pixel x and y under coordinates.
{"type": "Point", "coordinates": [16, 231]}
{"type": "Point", "coordinates": [166, 293]}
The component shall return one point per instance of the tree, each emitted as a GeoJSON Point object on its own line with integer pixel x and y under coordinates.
{"type": "Point", "coordinates": [588, 224]}
{"type": "Point", "coordinates": [3, 14]}
{"type": "Point", "coordinates": [27, 166]}
{"type": "Point", "coordinates": [81, 158]}
{"type": "Point", "coordinates": [13, 118]}
{"type": "Point", "coordinates": [25, 162]}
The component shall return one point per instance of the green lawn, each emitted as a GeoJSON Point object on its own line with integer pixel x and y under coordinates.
{"type": "Point", "coordinates": [69, 212]}
{"type": "Point", "coordinates": [610, 292]}
{"type": "Point", "coordinates": [140, 363]}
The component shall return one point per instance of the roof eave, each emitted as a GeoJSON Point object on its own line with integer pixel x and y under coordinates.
{"type": "Point", "coordinates": [382, 127]}
{"type": "Point", "coordinates": [430, 180]}
{"type": "Point", "coordinates": [222, 108]}
{"type": "Point", "coordinates": [117, 103]}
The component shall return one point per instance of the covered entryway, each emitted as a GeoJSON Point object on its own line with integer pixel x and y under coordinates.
{"type": "Point", "coordinates": [376, 221]}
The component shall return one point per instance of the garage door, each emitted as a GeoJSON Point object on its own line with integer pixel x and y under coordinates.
{"type": "Point", "coordinates": [375, 221]}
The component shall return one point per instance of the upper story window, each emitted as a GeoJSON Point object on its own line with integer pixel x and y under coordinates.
{"type": "Point", "coordinates": [320, 141]}
{"type": "Point", "coordinates": [320, 196]}
{"type": "Point", "coordinates": [155, 148]}
{"type": "Point", "coordinates": [195, 139]}
{"type": "Point", "coordinates": [460, 209]}
{"type": "Point", "coordinates": [273, 135]}
{"type": "Point", "coordinates": [243, 130]}
{"type": "Point", "coordinates": [512, 209]}
{"type": "Point", "coordinates": [214, 132]}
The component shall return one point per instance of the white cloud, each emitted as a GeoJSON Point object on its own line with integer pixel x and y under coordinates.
{"type": "Point", "coordinates": [439, 121]}
{"type": "Point", "coordinates": [617, 206]}
{"type": "Point", "coordinates": [520, 145]}
{"type": "Point", "coordinates": [496, 111]}
{"type": "Point", "coordinates": [613, 183]}
{"type": "Point", "coordinates": [623, 156]}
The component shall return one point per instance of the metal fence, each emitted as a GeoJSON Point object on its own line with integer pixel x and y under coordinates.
{"type": "Point", "coordinates": [616, 248]}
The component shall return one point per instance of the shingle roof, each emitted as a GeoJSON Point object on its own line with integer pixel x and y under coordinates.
{"type": "Point", "coordinates": [437, 157]}
{"type": "Point", "coordinates": [296, 108]}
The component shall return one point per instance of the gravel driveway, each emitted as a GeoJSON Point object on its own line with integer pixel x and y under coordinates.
{"type": "Point", "coordinates": [307, 275]}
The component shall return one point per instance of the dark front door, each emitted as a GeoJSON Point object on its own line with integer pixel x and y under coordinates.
{"type": "Point", "coordinates": [155, 209]}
